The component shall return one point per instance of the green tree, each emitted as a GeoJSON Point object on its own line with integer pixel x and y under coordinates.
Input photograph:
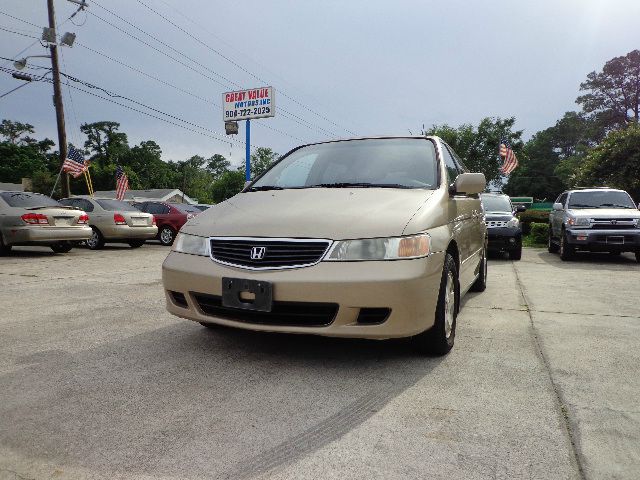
{"type": "Point", "coordinates": [613, 95]}
{"type": "Point", "coordinates": [217, 164]}
{"type": "Point", "coordinates": [615, 162]}
{"type": "Point", "coordinates": [13, 131]}
{"type": "Point", "coordinates": [104, 141]}
{"type": "Point", "coordinates": [478, 146]}
{"type": "Point", "coordinates": [229, 184]}
{"type": "Point", "coordinates": [261, 160]}
{"type": "Point", "coordinates": [18, 161]}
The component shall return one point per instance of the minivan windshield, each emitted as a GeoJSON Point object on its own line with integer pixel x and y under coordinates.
{"type": "Point", "coordinates": [497, 203]}
{"type": "Point", "coordinates": [380, 162]}
{"type": "Point", "coordinates": [603, 199]}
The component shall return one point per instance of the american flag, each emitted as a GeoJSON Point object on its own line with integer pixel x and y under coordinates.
{"type": "Point", "coordinates": [74, 163]}
{"type": "Point", "coordinates": [510, 160]}
{"type": "Point", "coordinates": [122, 183]}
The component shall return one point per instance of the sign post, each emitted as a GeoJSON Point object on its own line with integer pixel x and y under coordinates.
{"type": "Point", "coordinates": [247, 105]}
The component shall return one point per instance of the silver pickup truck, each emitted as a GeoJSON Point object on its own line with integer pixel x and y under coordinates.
{"type": "Point", "coordinates": [595, 220]}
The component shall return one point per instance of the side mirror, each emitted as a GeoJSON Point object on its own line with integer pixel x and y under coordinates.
{"type": "Point", "coordinates": [557, 206]}
{"type": "Point", "coordinates": [521, 208]}
{"type": "Point", "coordinates": [468, 184]}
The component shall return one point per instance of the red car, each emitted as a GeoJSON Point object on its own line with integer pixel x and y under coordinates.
{"type": "Point", "coordinates": [169, 217]}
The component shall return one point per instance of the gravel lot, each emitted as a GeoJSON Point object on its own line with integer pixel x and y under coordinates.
{"type": "Point", "coordinates": [97, 381]}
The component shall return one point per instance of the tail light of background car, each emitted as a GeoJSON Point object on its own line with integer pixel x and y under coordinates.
{"type": "Point", "coordinates": [119, 219]}
{"type": "Point", "coordinates": [84, 219]}
{"type": "Point", "coordinates": [35, 219]}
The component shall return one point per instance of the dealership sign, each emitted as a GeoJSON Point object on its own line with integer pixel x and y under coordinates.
{"type": "Point", "coordinates": [248, 104]}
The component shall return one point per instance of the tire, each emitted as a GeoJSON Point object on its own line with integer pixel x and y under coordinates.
{"type": "Point", "coordinates": [96, 242]}
{"type": "Point", "coordinates": [552, 247]}
{"type": "Point", "coordinates": [516, 253]}
{"type": "Point", "coordinates": [480, 285]}
{"type": "Point", "coordinates": [615, 254]}
{"type": "Point", "coordinates": [62, 247]}
{"type": "Point", "coordinates": [166, 236]}
{"type": "Point", "coordinates": [638, 257]}
{"type": "Point", "coordinates": [439, 339]}
{"type": "Point", "coordinates": [4, 249]}
{"type": "Point", "coordinates": [566, 250]}
{"type": "Point", "coordinates": [136, 243]}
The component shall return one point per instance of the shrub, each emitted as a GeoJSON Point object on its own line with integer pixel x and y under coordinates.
{"type": "Point", "coordinates": [539, 232]}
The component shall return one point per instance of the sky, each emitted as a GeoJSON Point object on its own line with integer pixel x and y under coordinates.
{"type": "Point", "coordinates": [339, 69]}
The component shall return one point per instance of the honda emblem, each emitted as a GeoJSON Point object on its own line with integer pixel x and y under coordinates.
{"type": "Point", "coordinates": [257, 253]}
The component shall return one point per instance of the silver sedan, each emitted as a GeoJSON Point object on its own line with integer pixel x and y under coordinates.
{"type": "Point", "coordinates": [28, 218]}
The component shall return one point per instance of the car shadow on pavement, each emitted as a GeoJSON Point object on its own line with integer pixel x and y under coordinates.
{"type": "Point", "coordinates": [221, 403]}
{"type": "Point", "coordinates": [588, 261]}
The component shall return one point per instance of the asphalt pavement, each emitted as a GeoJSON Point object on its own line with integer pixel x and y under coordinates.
{"type": "Point", "coordinates": [97, 381]}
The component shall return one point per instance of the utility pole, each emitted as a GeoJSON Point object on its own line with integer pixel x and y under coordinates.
{"type": "Point", "coordinates": [57, 100]}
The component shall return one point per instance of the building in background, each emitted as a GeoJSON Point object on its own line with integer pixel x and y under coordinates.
{"type": "Point", "coordinates": [160, 194]}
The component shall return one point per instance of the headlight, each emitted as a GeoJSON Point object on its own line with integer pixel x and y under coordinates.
{"type": "Point", "coordinates": [514, 222]}
{"type": "Point", "coordinates": [579, 222]}
{"type": "Point", "coordinates": [191, 244]}
{"type": "Point", "coordinates": [394, 248]}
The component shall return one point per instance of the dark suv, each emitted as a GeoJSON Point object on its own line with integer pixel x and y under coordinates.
{"type": "Point", "coordinates": [169, 217]}
{"type": "Point", "coordinates": [596, 220]}
{"type": "Point", "coordinates": [505, 233]}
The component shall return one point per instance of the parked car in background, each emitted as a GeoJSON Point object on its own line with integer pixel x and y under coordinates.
{"type": "Point", "coordinates": [595, 220]}
{"type": "Point", "coordinates": [113, 221]}
{"type": "Point", "coordinates": [371, 237]}
{"type": "Point", "coordinates": [503, 227]}
{"type": "Point", "coordinates": [169, 217]}
{"type": "Point", "coordinates": [28, 218]}
{"type": "Point", "coordinates": [202, 206]}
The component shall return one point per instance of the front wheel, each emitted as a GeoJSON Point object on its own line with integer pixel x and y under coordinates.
{"type": "Point", "coordinates": [439, 339]}
{"type": "Point", "coordinates": [516, 253]}
{"type": "Point", "coordinates": [4, 249]}
{"type": "Point", "coordinates": [552, 247]}
{"type": "Point", "coordinates": [62, 247]}
{"type": "Point", "coordinates": [566, 250]}
{"type": "Point", "coordinates": [167, 236]}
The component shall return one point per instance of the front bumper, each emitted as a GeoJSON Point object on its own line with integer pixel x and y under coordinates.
{"type": "Point", "coordinates": [125, 232]}
{"type": "Point", "coordinates": [409, 288]}
{"type": "Point", "coordinates": [504, 238]}
{"type": "Point", "coordinates": [614, 240]}
{"type": "Point", "coordinates": [45, 235]}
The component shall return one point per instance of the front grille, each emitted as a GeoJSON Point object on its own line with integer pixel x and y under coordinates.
{"type": "Point", "coordinates": [299, 314]}
{"type": "Point", "coordinates": [624, 224]}
{"type": "Point", "coordinates": [277, 253]}
{"type": "Point", "coordinates": [495, 223]}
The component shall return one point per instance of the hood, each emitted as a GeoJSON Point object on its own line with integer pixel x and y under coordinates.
{"type": "Point", "coordinates": [499, 216]}
{"type": "Point", "coordinates": [617, 213]}
{"type": "Point", "coordinates": [334, 213]}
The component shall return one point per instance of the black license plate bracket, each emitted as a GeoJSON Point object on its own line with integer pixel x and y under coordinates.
{"type": "Point", "coordinates": [233, 290]}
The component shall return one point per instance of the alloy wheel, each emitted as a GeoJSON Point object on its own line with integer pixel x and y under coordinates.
{"type": "Point", "coordinates": [449, 305]}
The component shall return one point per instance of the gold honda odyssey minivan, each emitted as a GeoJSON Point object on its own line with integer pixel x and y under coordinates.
{"type": "Point", "coordinates": [366, 237]}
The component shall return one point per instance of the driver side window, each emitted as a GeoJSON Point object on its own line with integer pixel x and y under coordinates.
{"type": "Point", "coordinates": [450, 165]}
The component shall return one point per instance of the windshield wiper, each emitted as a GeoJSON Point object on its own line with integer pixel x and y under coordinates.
{"type": "Point", "coordinates": [263, 188]}
{"type": "Point", "coordinates": [615, 205]}
{"type": "Point", "coordinates": [582, 205]}
{"type": "Point", "coordinates": [358, 185]}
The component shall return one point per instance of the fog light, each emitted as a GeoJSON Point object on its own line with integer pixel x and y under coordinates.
{"type": "Point", "coordinates": [512, 240]}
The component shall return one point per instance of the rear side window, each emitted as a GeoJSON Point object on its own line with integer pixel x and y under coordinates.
{"type": "Point", "coordinates": [116, 205]}
{"type": "Point", "coordinates": [185, 208]}
{"type": "Point", "coordinates": [157, 208]}
{"type": "Point", "coordinates": [28, 200]}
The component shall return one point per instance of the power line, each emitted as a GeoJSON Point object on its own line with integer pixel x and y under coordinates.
{"type": "Point", "coordinates": [20, 19]}
{"type": "Point", "coordinates": [18, 33]}
{"type": "Point", "coordinates": [285, 113]}
{"type": "Point", "coordinates": [14, 89]}
{"type": "Point", "coordinates": [242, 68]}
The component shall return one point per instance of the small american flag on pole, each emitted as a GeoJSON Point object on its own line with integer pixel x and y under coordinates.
{"type": "Point", "coordinates": [510, 160]}
{"type": "Point", "coordinates": [122, 183]}
{"type": "Point", "coordinates": [74, 163]}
